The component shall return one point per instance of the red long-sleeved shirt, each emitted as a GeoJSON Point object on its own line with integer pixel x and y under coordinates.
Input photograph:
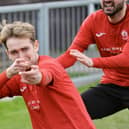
{"type": "Point", "coordinates": [56, 105]}
{"type": "Point", "coordinates": [110, 40]}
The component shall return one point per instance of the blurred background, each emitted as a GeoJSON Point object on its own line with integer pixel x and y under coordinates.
{"type": "Point", "coordinates": [56, 23]}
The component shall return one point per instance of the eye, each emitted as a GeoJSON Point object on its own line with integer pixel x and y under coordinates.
{"type": "Point", "coordinates": [25, 49]}
{"type": "Point", "coordinates": [13, 52]}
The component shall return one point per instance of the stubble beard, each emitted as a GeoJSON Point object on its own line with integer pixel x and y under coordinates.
{"type": "Point", "coordinates": [115, 9]}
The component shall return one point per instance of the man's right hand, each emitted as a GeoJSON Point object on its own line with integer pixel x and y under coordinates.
{"type": "Point", "coordinates": [18, 65]}
{"type": "Point", "coordinates": [81, 57]}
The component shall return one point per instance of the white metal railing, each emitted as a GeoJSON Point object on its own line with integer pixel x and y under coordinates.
{"type": "Point", "coordinates": [56, 24]}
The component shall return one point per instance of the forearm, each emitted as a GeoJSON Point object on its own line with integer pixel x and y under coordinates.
{"type": "Point", "coordinates": [121, 61]}
{"type": "Point", "coordinates": [66, 60]}
{"type": "Point", "coordinates": [3, 79]}
{"type": "Point", "coordinates": [46, 78]}
{"type": "Point", "coordinates": [118, 61]}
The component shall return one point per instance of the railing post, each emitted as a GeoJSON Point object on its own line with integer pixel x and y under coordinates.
{"type": "Point", "coordinates": [91, 8]}
{"type": "Point", "coordinates": [43, 30]}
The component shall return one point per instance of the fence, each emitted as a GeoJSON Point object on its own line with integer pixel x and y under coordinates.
{"type": "Point", "coordinates": [56, 24]}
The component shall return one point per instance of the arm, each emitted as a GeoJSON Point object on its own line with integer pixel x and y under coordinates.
{"type": "Point", "coordinates": [8, 87]}
{"type": "Point", "coordinates": [81, 42]}
{"type": "Point", "coordinates": [9, 80]}
{"type": "Point", "coordinates": [51, 70]}
{"type": "Point", "coordinates": [118, 61]}
{"type": "Point", "coordinates": [3, 79]}
{"type": "Point", "coordinates": [46, 78]}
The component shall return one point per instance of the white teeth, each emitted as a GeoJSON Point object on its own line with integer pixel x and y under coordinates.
{"type": "Point", "coordinates": [108, 6]}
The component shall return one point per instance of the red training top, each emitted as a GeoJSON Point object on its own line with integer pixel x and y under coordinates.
{"type": "Point", "coordinates": [110, 40]}
{"type": "Point", "coordinates": [57, 105]}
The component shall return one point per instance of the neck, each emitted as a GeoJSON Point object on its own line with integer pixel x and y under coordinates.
{"type": "Point", "coordinates": [118, 16]}
{"type": "Point", "coordinates": [36, 59]}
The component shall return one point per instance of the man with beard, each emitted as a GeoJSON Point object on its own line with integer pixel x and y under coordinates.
{"type": "Point", "coordinates": [108, 28]}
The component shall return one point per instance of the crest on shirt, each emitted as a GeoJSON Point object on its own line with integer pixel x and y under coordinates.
{"type": "Point", "coordinates": [124, 35]}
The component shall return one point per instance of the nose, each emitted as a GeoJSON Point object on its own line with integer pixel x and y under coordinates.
{"type": "Point", "coordinates": [21, 54]}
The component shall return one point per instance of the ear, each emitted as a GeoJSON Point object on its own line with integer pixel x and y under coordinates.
{"type": "Point", "coordinates": [6, 51]}
{"type": "Point", "coordinates": [36, 45]}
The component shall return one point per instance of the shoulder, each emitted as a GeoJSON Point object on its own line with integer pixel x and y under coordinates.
{"type": "Point", "coordinates": [52, 65]}
{"type": "Point", "coordinates": [47, 61]}
{"type": "Point", "coordinates": [95, 18]}
{"type": "Point", "coordinates": [45, 57]}
{"type": "Point", "coordinates": [99, 14]}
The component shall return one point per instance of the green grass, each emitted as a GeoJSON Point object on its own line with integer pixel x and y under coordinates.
{"type": "Point", "coordinates": [77, 74]}
{"type": "Point", "coordinates": [14, 115]}
{"type": "Point", "coordinates": [119, 120]}
{"type": "Point", "coordinates": [84, 88]}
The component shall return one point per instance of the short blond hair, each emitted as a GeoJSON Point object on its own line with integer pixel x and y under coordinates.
{"type": "Point", "coordinates": [17, 29]}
